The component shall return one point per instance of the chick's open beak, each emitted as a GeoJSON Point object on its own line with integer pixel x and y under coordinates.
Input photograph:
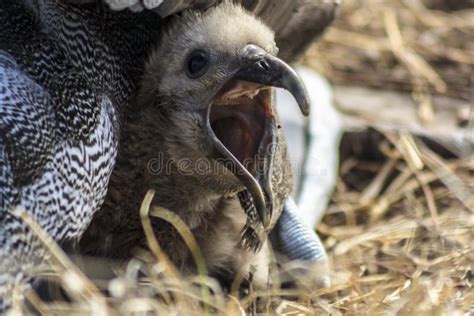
{"type": "Point", "coordinates": [242, 125]}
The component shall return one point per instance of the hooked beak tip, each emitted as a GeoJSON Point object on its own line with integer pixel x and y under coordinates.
{"type": "Point", "coordinates": [261, 67]}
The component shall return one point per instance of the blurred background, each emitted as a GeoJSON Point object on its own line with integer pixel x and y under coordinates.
{"type": "Point", "coordinates": [399, 228]}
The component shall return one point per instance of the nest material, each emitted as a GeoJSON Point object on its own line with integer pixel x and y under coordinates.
{"type": "Point", "coordinates": [400, 229]}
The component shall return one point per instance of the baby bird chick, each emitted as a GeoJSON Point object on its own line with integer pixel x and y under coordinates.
{"type": "Point", "coordinates": [205, 136]}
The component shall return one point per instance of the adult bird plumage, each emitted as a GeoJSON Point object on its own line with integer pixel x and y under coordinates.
{"type": "Point", "coordinates": [63, 84]}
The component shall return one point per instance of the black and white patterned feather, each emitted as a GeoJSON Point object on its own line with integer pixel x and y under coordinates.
{"type": "Point", "coordinates": [65, 75]}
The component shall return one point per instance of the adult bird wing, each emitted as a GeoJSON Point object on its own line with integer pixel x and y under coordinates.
{"type": "Point", "coordinates": [26, 128]}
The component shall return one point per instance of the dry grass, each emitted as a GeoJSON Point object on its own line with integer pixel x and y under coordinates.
{"type": "Point", "coordinates": [399, 233]}
{"type": "Point", "coordinates": [400, 227]}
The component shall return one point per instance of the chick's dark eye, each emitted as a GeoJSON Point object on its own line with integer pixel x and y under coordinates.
{"type": "Point", "coordinates": [197, 64]}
